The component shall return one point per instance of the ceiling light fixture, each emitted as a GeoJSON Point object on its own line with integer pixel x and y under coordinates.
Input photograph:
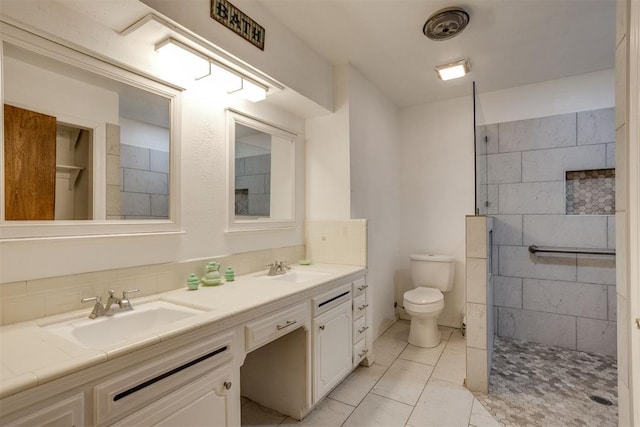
{"type": "Point", "coordinates": [453, 70]}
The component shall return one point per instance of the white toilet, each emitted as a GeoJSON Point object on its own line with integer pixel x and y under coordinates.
{"type": "Point", "coordinates": [431, 275]}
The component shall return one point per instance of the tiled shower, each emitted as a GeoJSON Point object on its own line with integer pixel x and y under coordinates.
{"type": "Point", "coordinates": [550, 183]}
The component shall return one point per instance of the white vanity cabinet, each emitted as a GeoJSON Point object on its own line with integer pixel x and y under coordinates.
{"type": "Point", "coordinates": [206, 401]}
{"type": "Point", "coordinates": [332, 346]}
{"type": "Point", "coordinates": [173, 384]}
{"type": "Point", "coordinates": [361, 321]}
{"type": "Point", "coordinates": [65, 413]}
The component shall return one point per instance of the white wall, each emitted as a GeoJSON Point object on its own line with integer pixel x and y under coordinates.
{"type": "Point", "coordinates": [375, 181]}
{"type": "Point", "coordinates": [31, 87]}
{"type": "Point", "coordinates": [437, 188]}
{"type": "Point", "coordinates": [203, 158]}
{"type": "Point", "coordinates": [328, 158]}
{"type": "Point", "coordinates": [591, 91]}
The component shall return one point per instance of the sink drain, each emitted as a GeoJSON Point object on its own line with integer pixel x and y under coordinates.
{"type": "Point", "coordinates": [601, 400]}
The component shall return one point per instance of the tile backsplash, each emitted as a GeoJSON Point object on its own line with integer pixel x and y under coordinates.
{"type": "Point", "coordinates": [337, 242]}
{"type": "Point", "coordinates": [33, 299]}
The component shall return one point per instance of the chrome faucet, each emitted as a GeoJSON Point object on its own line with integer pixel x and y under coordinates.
{"type": "Point", "coordinates": [278, 267]}
{"type": "Point", "coordinates": [123, 301]}
{"type": "Point", "coordinates": [99, 310]}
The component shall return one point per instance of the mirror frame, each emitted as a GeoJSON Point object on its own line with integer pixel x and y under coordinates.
{"type": "Point", "coordinates": [234, 224]}
{"type": "Point", "coordinates": [92, 62]}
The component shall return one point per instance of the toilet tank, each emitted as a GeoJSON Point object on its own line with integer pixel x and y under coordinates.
{"type": "Point", "coordinates": [432, 271]}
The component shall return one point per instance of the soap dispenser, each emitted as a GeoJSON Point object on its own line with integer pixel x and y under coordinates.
{"type": "Point", "coordinates": [212, 276]}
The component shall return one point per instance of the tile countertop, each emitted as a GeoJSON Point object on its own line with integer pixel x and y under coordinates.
{"type": "Point", "coordinates": [30, 355]}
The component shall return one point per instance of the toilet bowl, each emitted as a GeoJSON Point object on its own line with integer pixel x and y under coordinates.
{"type": "Point", "coordinates": [431, 275]}
{"type": "Point", "coordinates": [424, 305]}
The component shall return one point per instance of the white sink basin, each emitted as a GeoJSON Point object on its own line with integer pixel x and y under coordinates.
{"type": "Point", "coordinates": [107, 330]}
{"type": "Point", "coordinates": [298, 276]}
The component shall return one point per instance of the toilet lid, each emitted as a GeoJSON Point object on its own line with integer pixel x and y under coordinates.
{"type": "Point", "coordinates": [423, 296]}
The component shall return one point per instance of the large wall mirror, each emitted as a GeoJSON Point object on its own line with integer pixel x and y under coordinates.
{"type": "Point", "coordinates": [84, 143]}
{"type": "Point", "coordinates": [261, 174]}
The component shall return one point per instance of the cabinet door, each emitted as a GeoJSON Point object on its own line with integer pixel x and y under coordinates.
{"type": "Point", "coordinates": [211, 400]}
{"type": "Point", "coordinates": [66, 413]}
{"type": "Point", "coordinates": [29, 164]}
{"type": "Point", "coordinates": [332, 351]}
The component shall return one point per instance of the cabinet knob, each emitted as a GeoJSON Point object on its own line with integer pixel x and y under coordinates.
{"type": "Point", "coordinates": [361, 330]}
{"type": "Point", "coordinates": [227, 385]}
{"type": "Point", "coordinates": [322, 327]}
{"type": "Point", "coordinates": [363, 306]}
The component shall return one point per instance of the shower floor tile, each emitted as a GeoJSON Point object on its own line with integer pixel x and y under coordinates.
{"type": "Point", "coordinates": [536, 385]}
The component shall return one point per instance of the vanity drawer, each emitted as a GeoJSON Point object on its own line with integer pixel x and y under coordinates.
{"type": "Point", "coordinates": [359, 287]}
{"type": "Point", "coordinates": [267, 329]}
{"type": "Point", "coordinates": [359, 328]}
{"type": "Point", "coordinates": [359, 351]}
{"type": "Point", "coordinates": [359, 306]}
{"type": "Point", "coordinates": [135, 388]}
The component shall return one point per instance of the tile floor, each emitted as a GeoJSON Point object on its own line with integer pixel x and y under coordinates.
{"type": "Point", "coordinates": [407, 386]}
{"type": "Point", "coordinates": [535, 385]}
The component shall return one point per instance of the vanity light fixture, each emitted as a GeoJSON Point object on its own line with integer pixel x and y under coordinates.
{"type": "Point", "coordinates": [223, 78]}
{"type": "Point", "coordinates": [453, 70]}
{"type": "Point", "coordinates": [252, 91]}
{"type": "Point", "coordinates": [181, 57]}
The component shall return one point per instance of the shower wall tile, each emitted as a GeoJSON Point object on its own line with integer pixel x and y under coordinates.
{"type": "Point", "coordinates": [476, 237]}
{"type": "Point", "coordinates": [596, 126]}
{"type": "Point", "coordinates": [491, 144]}
{"type": "Point", "coordinates": [532, 198]}
{"type": "Point", "coordinates": [477, 326]}
{"type": "Point", "coordinates": [535, 134]}
{"type": "Point", "coordinates": [611, 232]}
{"type": "Point", "coordinates": [135, 204]}
{"type": "Point", "coordinates": [492, 198]}
{"type": "Point", "coordinates": [476, 279]}
{"type": "Point", "coordinates": [611, 303]}
{"type": "Point", "coordinates": [541, 297]}
{"type": "Point", "coordinates": [159, 161]}
{"type": "Point", "coordinates": [597, 269]}
{"type": "Point", "coordinates": [611, 155]}
{"type": "Point", "coordinates": [134, 157]}
{"type": "Point", "coordinates": [507, 230]}
{"type": "Point", "coordinates": [159, 205]}
{"type": "Point", "coordinates": [477, 373]}
{"type": "Point", "coordinates": [504, 168]}
{"type": "Point", "coordinates": [551, 329]}
{"type": "Point", "coordinates": [507, 291]}
{"type": "Point", "coordinates": [481, 169]}
{"type": "Point", "coordinates": [139, 181]}
{"type": "Point", "coordinates": [516, 261]}
{"type": "Point", "coordinates": [550, 165]}
{"type": "Point", "coordinates": [596, 336]}
{"type": "Point", "coordinates": [576, 299]}
{"type": "Point", "coordinates": [587, 231]}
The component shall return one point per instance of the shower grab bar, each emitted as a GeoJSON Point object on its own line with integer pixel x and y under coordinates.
{"type": "Point", "coordinates": [534, 249]}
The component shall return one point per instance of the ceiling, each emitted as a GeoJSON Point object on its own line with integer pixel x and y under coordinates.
{"type": "Point", "coordinates": [509, 42]}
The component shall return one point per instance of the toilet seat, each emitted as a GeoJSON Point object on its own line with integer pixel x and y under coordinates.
{"type": "Point", "coordinates": [423, 300]}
